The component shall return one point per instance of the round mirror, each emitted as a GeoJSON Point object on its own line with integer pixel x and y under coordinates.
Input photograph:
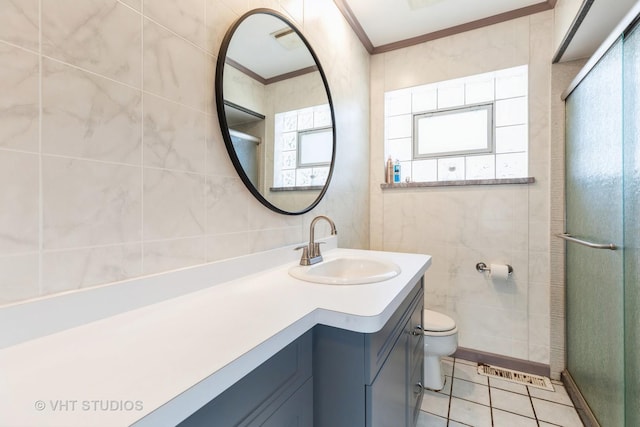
{"type": "Point", "coordinates": [275, 112]}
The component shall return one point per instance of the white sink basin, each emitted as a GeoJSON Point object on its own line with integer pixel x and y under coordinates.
{"type": "Point", "coordinates": [347, 271]}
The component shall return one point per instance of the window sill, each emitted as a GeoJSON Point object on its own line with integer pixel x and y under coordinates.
{"type": "Point", "coordinates": [528, 180]}
{"type": "Point", "coordinates": [300, 188]}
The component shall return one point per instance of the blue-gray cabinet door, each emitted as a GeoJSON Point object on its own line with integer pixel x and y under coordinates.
{"type": "Point", "coordinates": [387, 396]}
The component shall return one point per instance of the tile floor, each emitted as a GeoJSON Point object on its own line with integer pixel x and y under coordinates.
{"type": "Point", "coordinates": [470, 399]}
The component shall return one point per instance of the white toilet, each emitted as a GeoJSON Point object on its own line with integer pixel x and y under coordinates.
{"type": "Point", "coordinates": [440, 339]}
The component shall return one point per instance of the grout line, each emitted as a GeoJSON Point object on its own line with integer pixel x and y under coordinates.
{"type": "Point", "coordinates": [490, 401]}
{"type": "Point", "coordinates": [207, 179]}
{"type": "Point", "coordinates": [477, 403]}
{"type": "Point", "coordinates": [115, 163]}
{"type": "Point", "coordinates": [131, 7]}
{"type": "Point", "coordinates": [37, 51]}
{"type": "Point", "coordinates": [533, 407]}
{"type": "Point", "coordinates": [119, 244]}
{"type": "Point", "coordinates": [553, 401]}
{"type": "Point", "coordinates": [473, 382]}
{"type": "Point", "coordinates": [142, 150]}
{"type": "Point", "coordinates": [40, 169]}
{"type": "Point", "coordinates": [453, 371]}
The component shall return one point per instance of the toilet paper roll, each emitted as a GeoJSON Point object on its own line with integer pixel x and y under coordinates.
{"type": "Point", "coordinates": [499, 271]}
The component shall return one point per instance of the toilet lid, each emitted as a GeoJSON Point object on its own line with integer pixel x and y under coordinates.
{"type": "Point", "coordinates": [437, 322]}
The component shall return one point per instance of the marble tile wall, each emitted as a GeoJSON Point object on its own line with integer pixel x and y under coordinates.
{"type": "Point", "coordinates": [460, 226]}
{"type": "Point", "coordinates": [112, 163]}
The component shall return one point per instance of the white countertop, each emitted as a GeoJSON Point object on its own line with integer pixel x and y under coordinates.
{"type": "Point", "coordinates": [156, 364]}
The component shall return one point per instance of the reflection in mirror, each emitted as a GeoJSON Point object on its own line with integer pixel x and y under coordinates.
{"type": "Point", "coordinates": [275, 112]}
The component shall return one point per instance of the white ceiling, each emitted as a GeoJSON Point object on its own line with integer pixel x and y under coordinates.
{"type": "Point", "coordinates": [254, 47]}
{"type": "Point", "coordinates": [390, 21]}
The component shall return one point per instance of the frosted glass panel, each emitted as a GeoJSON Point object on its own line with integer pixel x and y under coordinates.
{"type": "Point", "coordinates": [451, 169]}
{"type": "Point", "coordinates": [481, 167]}
{"type": "Point", "coordinates": [397, 103]}
{"type": "Point", "coordinates": [511, 112]}
{"type": "Point", "coordinates": [513, 165]}
{"type": "Point", "coordinates": [399, 126]}
{"type": "Point", "coordinates": [322, 116]}
{"type": "Point", "coordinates": [289, 141]}
{"type": "Point", "coordinates": [594, 212]}
{"type": "Point", "coordinates": [451, 96]}
{"type": "Point", "coordinates": [511, 86]}
{"type": "Point", "coordinates": [288, 160]}
{"type": "Point", "coordinates": [632, 225]}
{"type": "Point", "coordinates": [305, 119]}
{"type": "Point", "coordinates": [399, 149]}
{"type": "Point", "coordinates": [454, 131]}
{"type": "Point", "coordinates": [425, 170]}
{"type": "Point", "coordinates": [424, 100]}
{"type": "Point", "coordinates": [512, 139]}
{"type": "Point", "coordinates": [316, 148]}
{"type": "Point", "coordinates": [479, 91]}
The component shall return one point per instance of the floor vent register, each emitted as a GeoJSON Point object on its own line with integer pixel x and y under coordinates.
{"type": "Point", "coordinates": [515, 376]}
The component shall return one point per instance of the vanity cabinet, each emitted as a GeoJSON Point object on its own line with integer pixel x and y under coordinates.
{"type": "Point", "coordinates": [277, 393]}
{"type": "Point", "coordinates": [384, 391]}
{"type": "Point", "coordinates": [332, 377]}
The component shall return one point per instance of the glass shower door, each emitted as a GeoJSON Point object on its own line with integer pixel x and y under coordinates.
{"type": "Point", "coordinates": [594, 209]}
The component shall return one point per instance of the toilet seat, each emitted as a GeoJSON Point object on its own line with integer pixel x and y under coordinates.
{"type": "Point", "coordinates": [437, 322]}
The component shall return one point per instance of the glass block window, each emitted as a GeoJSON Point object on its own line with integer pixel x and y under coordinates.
{"type": "Point", "coordinates": [470, 128]}
{"type": "Point", "coordinates": [303, 146]}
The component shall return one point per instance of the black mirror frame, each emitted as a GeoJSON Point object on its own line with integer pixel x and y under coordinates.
{"type": "Point", "coordinates": [222, 118]}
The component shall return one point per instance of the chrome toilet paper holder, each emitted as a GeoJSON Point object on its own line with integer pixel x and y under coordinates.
{"type": "Point", "coordinates": [481, 267]}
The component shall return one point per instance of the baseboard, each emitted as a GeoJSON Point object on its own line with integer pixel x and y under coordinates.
{"type": "Point", "coordinates": [587, 417]}
{"type": "Point", "coordinates": [503, 361]}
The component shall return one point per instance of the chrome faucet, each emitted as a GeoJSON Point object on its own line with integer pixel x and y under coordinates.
{"type": "Point", "coordinates": [311, 252]}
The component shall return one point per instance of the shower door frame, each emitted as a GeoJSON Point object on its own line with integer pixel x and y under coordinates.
{"type": "Point", "coordinates": [558, 209]}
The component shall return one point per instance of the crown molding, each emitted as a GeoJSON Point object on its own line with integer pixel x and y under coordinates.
{"type": "Point", "coordinates": [484, 22]}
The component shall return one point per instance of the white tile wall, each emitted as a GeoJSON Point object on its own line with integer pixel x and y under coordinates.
{"type": "Point", "coordinates": [89, 203]}
{"type": "Point", "coordinates": [112, 163]}
{"type": "Point", "coordinates": [88, 116]}
{"type": "Point", "coordinates": [101, 36]}
{"type": "Point", "coordinates": [174, 135]}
